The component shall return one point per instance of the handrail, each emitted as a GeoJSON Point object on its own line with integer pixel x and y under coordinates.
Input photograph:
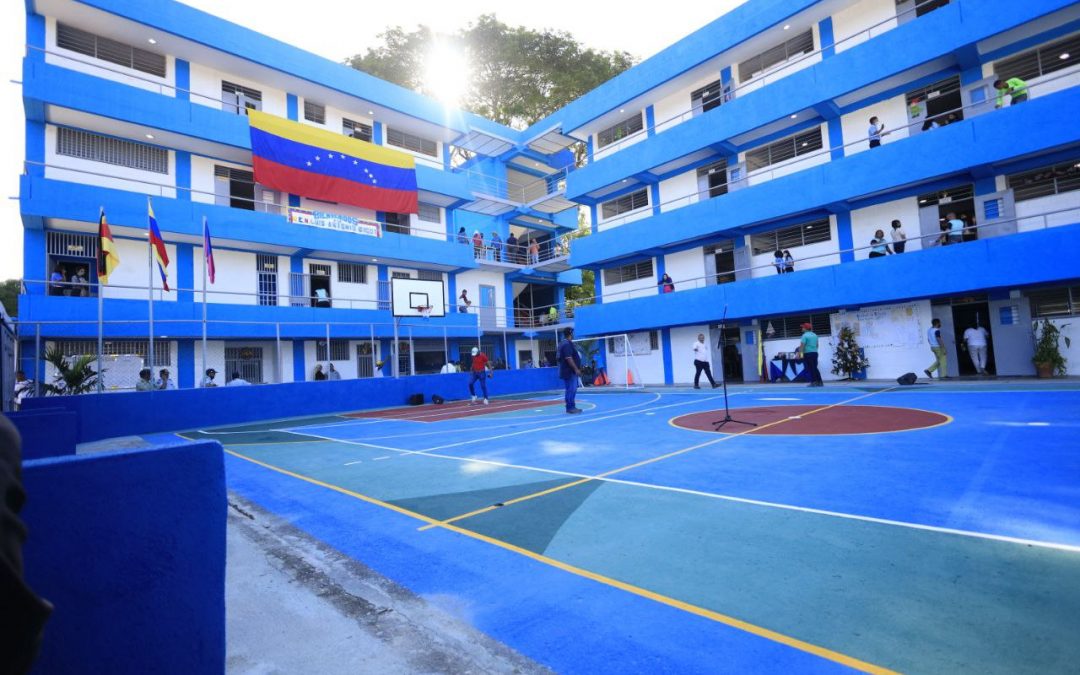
{"type": "Point", "coordinates": [766, 174]}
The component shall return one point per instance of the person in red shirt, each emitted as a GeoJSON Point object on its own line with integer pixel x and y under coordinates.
{"type": "Point", "coordinates": [479, 371]}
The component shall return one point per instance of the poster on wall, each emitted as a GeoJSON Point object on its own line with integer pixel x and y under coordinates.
{"type": "Point", "coordinates": [334, 221]}
{"type": "Point", "coordinates": [883, 326]}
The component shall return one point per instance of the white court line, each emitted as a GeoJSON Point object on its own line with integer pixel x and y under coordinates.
{"type": "Point", "coordinates": [338, 440]}
{"type": "Point", "coordinates": [359, 461]}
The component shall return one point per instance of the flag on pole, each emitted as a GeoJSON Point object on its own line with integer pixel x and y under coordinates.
{"type": "Point", "coordinates": [158, 245]}
{"type": "Point", "coordinates": [107, 257]}
{"type": "Point", "coordinates": [208, 250]}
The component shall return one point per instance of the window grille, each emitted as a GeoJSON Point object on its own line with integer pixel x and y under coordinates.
{"type": "Point", "coordinates": [71, 245]}
{"type": "Point", "coordinates": [397, 223]}
{"type": "Point", "coordinates": [787, 327]}
{"type": "Point", "coordinates": [802, 43]}
{"type": "Point", "coordinates": [429, 213]}
{"type": "Point", "coordinates": [625, 204]}
{"type": "Point", "coordinates": [708, 97]}
{"type": "Point", "coordinates": [1049, 303]}
{"type": "Point", "coordinates": [791, 237]}
{"type": "Point", "coordinates": [357, 130]}
{"type": "Point", "coordinates": [107, 150]}
{"type": "Point", "coordinates": [412, 142]}
{"type": "Point", "coordinates": [956, 194]}
{"type": "Point", "coordinates": [617, 132]}
{"type": "Point", "coordinates": [430, 275]}
{"type": "Point", "coordinates": [631, 272]}
{"type": "Point", "coordinates": [784, 149]}
{"type": "Point", "coordinates": [1050, 180]}
{"type": "Point", "coordinates": [245, 361]}
{"type": "Point", "coordinates": [351, 273]}
{"type": "Point", "coordinates": [83, 42]}
{"type": "Point", "coordinates": [266, 273]}
{"type": "Point", "coordinates": [314, 112]}
{"type": "Point", "coordinates": [240, 98]}
{"type": "Point", "coordinates": [140, 348]}
{"type": "Point", "coordinates": [339, 350]}
{"type": "Point", "coordinates": [1041, 60]}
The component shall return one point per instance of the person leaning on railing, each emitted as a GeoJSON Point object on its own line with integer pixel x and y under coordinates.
{"type": "Point", "coordinates": [1016, 88]}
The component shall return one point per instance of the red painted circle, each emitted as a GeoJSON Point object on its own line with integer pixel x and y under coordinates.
{"type": "Point", "coordinates": [814, 420]}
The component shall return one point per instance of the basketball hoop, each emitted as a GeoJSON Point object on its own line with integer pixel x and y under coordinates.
{"type": "Point", "coordinates": [425, 311]}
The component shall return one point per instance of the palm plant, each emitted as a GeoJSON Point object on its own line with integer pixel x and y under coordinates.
{"type": "Point", "coordinates": [70, 377]}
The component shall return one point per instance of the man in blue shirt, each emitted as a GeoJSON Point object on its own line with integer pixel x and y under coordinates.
{"type": "Point", "coordinates": [809, 348]}
{"type": "Point", "coordinates": [569, 369]}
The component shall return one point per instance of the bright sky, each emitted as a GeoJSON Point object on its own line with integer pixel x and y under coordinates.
{"type": "Point", "coordinates": [337, 29]}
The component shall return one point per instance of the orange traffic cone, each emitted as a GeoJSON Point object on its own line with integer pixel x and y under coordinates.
{"type": "Point", "coordinates": [629, 378]}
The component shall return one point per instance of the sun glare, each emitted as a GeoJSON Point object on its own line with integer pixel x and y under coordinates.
{"type": "Point", "coordinates": [446, 74]}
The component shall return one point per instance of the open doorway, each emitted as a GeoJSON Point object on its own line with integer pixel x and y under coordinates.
{"type": "Point", "coordinates": [934, 210]}
{"type": "Point", "coordinates": [972, 315]}
{"type": "Point", "coordinates": [936, 105]}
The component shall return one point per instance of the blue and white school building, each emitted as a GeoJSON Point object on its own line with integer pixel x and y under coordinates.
{"type": "Point", "coordinates": [747, 137]}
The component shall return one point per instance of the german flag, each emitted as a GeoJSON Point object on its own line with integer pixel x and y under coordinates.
{"type": "Point", "coordinates": [107, 257]}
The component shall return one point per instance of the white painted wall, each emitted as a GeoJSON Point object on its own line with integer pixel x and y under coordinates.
{"type": "Point", "coordinates": [891, 112]}
{"type": "Point", "coordinates": [675, 109]}
{"type": "Point", "coordinates": [806, 257]}
{"type": "Point", "coordinates": [646, 368]}
{"type": "Point", "coordinates": [686, 268]}
{"type": "Point", "coordinates": [861, 21]}
{"type": "Point", "coordinates": [134, 270]}
{"type": "Point", "coordinates": [682, 355]}
{"type": "Point", "coordinates": [235, 278]}
{"type": "Point", "coordinates": [638, 288]}
{"type": "Point", "coordinates": [879, 217]}
{"type": "Point", "coordinates": [473, 280]}
{"type": "Point", "coordinates": [1067, 206]}
{"type": "Point", "coordinates": [84, 171]}
{"type": "Point", "coordinates": [679, 191]}
{"type": "Point", "coordinates": [206, 90]}
{"type": "Point", "coordinates": [1069, 328]}
{"type": "Point", "coordinates": [107, 70]}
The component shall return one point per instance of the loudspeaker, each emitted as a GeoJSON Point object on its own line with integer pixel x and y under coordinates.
{"type": "Point", "coordinates": [907, 378]}
{"type": "Point", "coordinates": [416, 399]}
{"type": "Point", "coordinates": [437, 400]}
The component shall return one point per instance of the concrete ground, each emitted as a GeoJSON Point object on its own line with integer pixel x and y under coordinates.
{"type": "Point", "coordinates": [296, 605]}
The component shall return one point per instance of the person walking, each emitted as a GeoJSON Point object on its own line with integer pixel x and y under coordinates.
{"type": "Point", "coordinates": [975, 338]}
{"type": "Point", "coordinates": [937, 345]}
{"type": "Point", "coordinates": [1014, 87]}
{"type": "Point", "coordinates": [899, 238]}
{"type": "Point", "coordinates": [879, 248]}
{"type": "Point", "coordinates": [875, 132]}
{"type": "Point", "coordinates": [701, 362]}
{"type": "Point", "coordinates": [479, 372]}
{"type": "Point", "coordinates": [808, 347]}
{"type": "Point", "coordinates": [569, 370]}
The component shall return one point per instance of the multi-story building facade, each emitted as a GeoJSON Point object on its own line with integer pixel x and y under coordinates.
{"type": "Point", "coordinates": [751, 136]}
{"type": "Point", "coordinates": [130, 101]}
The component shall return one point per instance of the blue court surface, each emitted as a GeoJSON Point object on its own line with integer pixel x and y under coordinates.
{"type": "Point", "coordinates": [618, 541]}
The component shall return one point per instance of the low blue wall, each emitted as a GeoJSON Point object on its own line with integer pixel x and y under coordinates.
{"type": "Point", "coordinates": [46, 432]}
{"type": "Point", "coordinates": [133, 413]}
{"type": "Point", "coordinates": [130, 549]}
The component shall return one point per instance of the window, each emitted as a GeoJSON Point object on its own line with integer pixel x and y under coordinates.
{"type": "Point", "coordinates": [791, 237]}
{"type": "Point", "coordinates": [314, 112]}
{"type": "Point", "coordinates": [397, 223]}
{"type": "Point", "coordinates": [266, 271]}
{"type": "Point", "coordinates": [357, 130]}
{"type": "Point", "coordinates": [108, 150]}
{"type": "Point", "coordinates": [352, 273]}
{"type": "Point", "coordinates": [625, 204]}
{"type": "Point", "coordinates": [339, 350]}
{"type": "Point", "coordinates": [401, 275]}
{"type": "Point", "coordinates": [236, 188]}
{"type": "Point", "coordinates": [631, 272]}
{"type": "Point", "coordinates": [429, 213]}
{"type": "Point", "coordinates": [246, 362]}
{"type": "Point", "coordinates": [239, 99]}
{"type": "Point", "coordinates": [800, 44]}
{"type": "Point", "coordinates": [712, 95]}
{"type": "Point", "coordinates": [1051, 180]}
{"type": "Point", "coordinates": [713, 178]}
{"type": "Point", "coordinates": [1041, 60]}
{"type": "Point", "coordinates": [1050, 303]}
{"type": "Point", "coordinates": [78, 40]}
{"type": "Point", "coordinates": [430, 275]}
{"type": "Point", "coordinates": [784, 149]}
{"type": "Point", "coordinates": [630, 125]}
{"type": "Point", "coordinates": [956, 194]}
{"type": "Point", "coordinates": [141, 348]}
{"type": "Point", "coordinates": [787, 327]}
{"type": "Point", "coordinates": [411, 142]}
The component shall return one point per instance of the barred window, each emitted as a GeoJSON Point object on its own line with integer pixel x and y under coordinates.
{"type": "Point", "coordinates": [397, 223]}
{"type": "Point", "coordinates": [1041, 60]}
{"type": "Point", "coordinates": [83, 42]}
{"type": "Point", "coordinates": [1049, 303]}
{"type": "Point", "coordinates": [625, 204]}
{"type": "Point", "coordinates": [786, 327]}
{"type": "Point", "coordinates": [339, 350]}
{"type": "Point", "coordinates": [429, 213]}
{"type": "Point", "coordinates": [240, 99]}
{"type": "Point", "coordinates": [631, 272]}
{"type": "Point", "coordinates": [955, 194]}
{"type": "Point", "coordinates": [412, 142]}
{"type": "Point", "coordinates": [108, 150]}
{"type": "Point", "coordinates": [357, 130]}
{"type": "Point", "coordinates": [791, 237]}
{"type": "Point", "coordinates": [617, 132]}
{"type": "Point", "coordinates": [802, 43]}
{"type": "Point", "coordinates": [1051, 180]}
{"type": "Point", "coordinates": [430, 275]}
{"type": "Point", "coordinates": [708, 97]}
{"type": "Point", "coordinates": [352, 273]}
{"type": "Point", "coordinates": [314, 112]}
{"type": "Point", "coordinates": [140, 348]}
{"type": "Point", "coordinates": [784, 149]}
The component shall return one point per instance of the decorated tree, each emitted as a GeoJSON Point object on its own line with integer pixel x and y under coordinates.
{"type": "Point", "coordinates": [848, 358]}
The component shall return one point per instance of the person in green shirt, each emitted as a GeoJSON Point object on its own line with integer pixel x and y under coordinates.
{"type": "Point", "coordinates": [808, 347]}
{"type": "Point", "coordinates": [1014, 87]}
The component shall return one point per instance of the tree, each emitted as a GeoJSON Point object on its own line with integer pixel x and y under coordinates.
{"type": "Point", "coordinates": [848, 358]}
{"type": "Point", "coordinates": [9, 296]}
{"type": "Point", "coordinates": [577, 296]}
{"type": "Point", "coordinates": [71, 377]}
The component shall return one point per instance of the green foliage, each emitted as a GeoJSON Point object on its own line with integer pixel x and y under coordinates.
{"type": "Point", "coordinates": [847, 359]}
{"type": "Point", "coordinates": [1047, 350]}
{"type": "Point", "coordinates": [519, 75]}
{"type": "Point", "coordinates": [9, 296]}
{"type": "Point", "coordinates": [72, 377]}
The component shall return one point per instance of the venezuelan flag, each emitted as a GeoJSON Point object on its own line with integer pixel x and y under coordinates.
{"type": "Point", "coordinates": [300, 159]}
{"type": "Point", "coordinates": [158, 244]}
{"type": "Point", "coordinates": [107, 259]}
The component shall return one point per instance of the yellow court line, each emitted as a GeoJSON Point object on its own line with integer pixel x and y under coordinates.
{"type": "Point", "coordinates": [739, 624]}
{"type": "Point", "coordinates": [669, 455]}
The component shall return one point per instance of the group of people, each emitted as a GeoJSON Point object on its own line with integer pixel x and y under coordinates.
{"type": "Point", "coordinates": [511, 250]}
{"type": "Point", "coordinates": [783, 262]}
{"type": "Point", "coordinates": [234, 381]}
{"type": "Point", "coordinates": [163, 382]}
{"type": "Point", "coordinates": [954, 230]}
{"type": "Point", "coordinates": [976, 340]}
{"type": "Point", "coordinates": [329, 374]}
{"type": "Point", "coordinates": [76, 285]}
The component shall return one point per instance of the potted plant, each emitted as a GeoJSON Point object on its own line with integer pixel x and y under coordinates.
{"type": "Point", "coordinates": [1048, 359]}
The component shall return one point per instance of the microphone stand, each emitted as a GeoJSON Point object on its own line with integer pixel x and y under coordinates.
{"type": "Point", "coordinates": [723, 371]}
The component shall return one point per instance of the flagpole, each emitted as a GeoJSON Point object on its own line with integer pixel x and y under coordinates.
{"type": "Point", "coordinates": [150, 286]}
{"type": "Point", "coordinates": [100, 309]}
{"type": "Point", "coordinates": [205, 272]}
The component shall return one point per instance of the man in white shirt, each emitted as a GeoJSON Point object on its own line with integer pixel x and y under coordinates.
{"type": "Point", "coordinates": [165, 382]}
{"type": "Point", "coordinates": [701, 362]}
{"type": "Point", "coordinates": [448, 368]}
{"type": "Point", "coordinates": [976, 339]}
{"type": "Point", "coordinates": [237, 381]}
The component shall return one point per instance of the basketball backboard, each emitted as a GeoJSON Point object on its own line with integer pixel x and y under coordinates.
{"type": "Point", "coordinates": [408, 296]}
